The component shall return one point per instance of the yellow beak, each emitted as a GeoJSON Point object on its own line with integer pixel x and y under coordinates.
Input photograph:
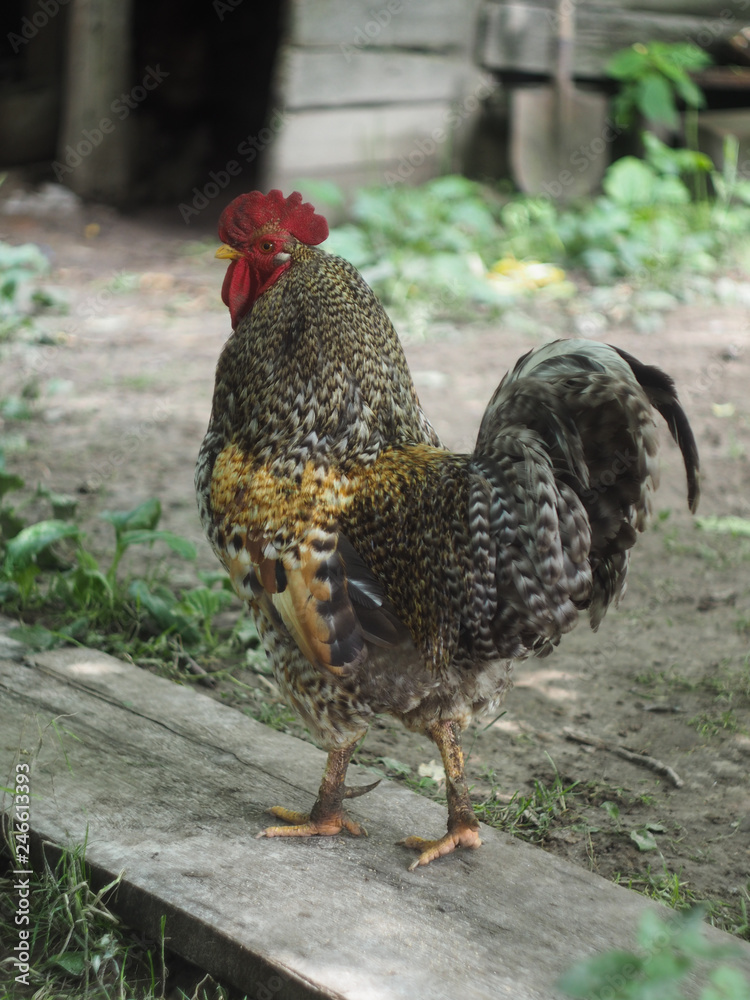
{"type": "Point", "coordinates": [226, 252]}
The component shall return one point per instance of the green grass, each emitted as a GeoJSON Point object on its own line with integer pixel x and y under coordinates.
{"type": "Point", "coordinates": [727, 685]}
{"type": "Point", "coordinates": [595, 811]}
{"type": "Point", "coordinates": [79, 949]}
{"type": "Point", "coordinates": [666, 887]}
{"type": "Point", "coordinates": [529, 816]}
{"type": "Point", "coordinates": [62, 593]}
{"type": "Point", "coordinates": [712, 722]}
{"type": "Point", "coordinates": [673, 889]}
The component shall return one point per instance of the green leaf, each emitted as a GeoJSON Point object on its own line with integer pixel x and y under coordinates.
{"type": "Point", "coordinates": [687, 56]}
{"type": "Point", "coordinates": [395, 765]}
{"type": "Point", "coordinates": [90, 585]}
{"type": "Point", "coordinates": [15, 408]}
{"type": "Point", "coordinates": [206, 602]}
{"type": "Point", "coordinates": [737, 526]}
{"type": "Point", "coordinates": [690, 92]}
{"type": "Point", "coordinates": [10, 523]}
{"type": "Point", "coordinates": [591, 977]}
{"type": "Point", "coordinates": [627, 64]}
{"type": "Point", "coordinates": [630, 182]}
{"type": "Point", "coordinates": [73, 962]}
{"type": "Point", "coordinates": [671, 191]}
{"type": "Point", "coordinates": [160, 603]}
{"type": "Point", "coordinates": [9, 590]}
{"type": "Point", "coordinates": [209, 577]}
{"type": "Point", "coordinates": [655, 100]}
{"type": "Point", "coordinates": [9, 482]}
{"type": "Point", "coordinates": [350, 243]}
{"type": "Point", "coordinates": [453, 187]}
{"type": "Point", "coordinates": [36, 637]}
{"type": "Point", "coordinates": [643, 839]}
{"type": "Point", "coordinates": [653, 932]}
{"type": "Point", "coordinates": [27, 544]}
{"type": "Point", "coordinates": [146, 536]}
{"type": "Point", "coordinates": [668, 161]}
{"type": "Point", "coordinates": [63, 504]}
{"type": "Point", "coordinates": [612, 810]}
{"type": "Point", "coordinates": [726, 984]}
{"type": "Point", "coordinates": [145, 515]}
{"type": "Point", "coordinates": [163, 607]}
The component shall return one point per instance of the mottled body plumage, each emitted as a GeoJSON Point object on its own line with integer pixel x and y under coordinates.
{"type": "Point", "coordinates": [385, 573]}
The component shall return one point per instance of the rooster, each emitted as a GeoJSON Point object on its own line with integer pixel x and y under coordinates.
{"type": "Point", "coordinates": [385, 573]}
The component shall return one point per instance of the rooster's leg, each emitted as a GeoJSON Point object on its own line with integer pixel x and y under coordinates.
{"type": "Point", "coordinates": [327, 816]}
{"type": "Point", "coordinates": [463, 826]}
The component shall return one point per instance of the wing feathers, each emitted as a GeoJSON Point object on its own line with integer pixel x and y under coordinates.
{"type": "Point", "coordinates": [323, 592]}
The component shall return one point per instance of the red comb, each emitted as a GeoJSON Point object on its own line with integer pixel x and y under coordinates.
{"type": "Point", "coordinates": [248, 213]}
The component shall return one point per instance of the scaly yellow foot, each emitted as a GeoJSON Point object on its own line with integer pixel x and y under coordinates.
{"type": "Point", "coordinates": [462, 835]}
{"type": "Point", "coordinates": [304, 826]}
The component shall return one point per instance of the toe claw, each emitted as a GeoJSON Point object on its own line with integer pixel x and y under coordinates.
{"type": "Point", "coordinates": [460, 836]}
{"type": "Point", "coordinates": [303, 825]}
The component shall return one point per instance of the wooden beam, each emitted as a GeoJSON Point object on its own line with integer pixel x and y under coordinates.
{"type": "Point", "coordinates": [93, 151]}
{"type": "Point", "coordinates": [520, 37]}
{"type": "Point", "coordinates": [421, 140]}
{"type": "Point", "coordinates": [170, 787]}
{"type": "Point", "coordinates": [310, 78]}
{"type": "Point", "coordinates": [440, 25]}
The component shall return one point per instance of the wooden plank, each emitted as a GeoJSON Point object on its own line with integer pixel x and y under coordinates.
{"type": "Point", "coordinates": [314, 79]}
{"type": "Point", "coordinates": [316, 142]}
{"type": "Point", "coordinates": [519, 37]}
{"type": "Point", "coordinates": [442, 25]}
{"type": "Point", "coordinates": [170, 786]}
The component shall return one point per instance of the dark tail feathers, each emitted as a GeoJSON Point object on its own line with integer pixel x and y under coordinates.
{"type": "Point", "coordinates": [660, 389]}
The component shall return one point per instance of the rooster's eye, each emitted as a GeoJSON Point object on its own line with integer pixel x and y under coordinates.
{"type": "Point", "coordinates": [266, 246]}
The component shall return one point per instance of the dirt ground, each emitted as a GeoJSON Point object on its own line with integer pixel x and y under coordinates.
{"type": "Point", "coordinates": [125, 385]}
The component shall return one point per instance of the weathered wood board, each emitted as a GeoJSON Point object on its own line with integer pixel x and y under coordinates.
{"type": "Point", "coordinates": [170, 786]}
{"type": "Point", "coordinates": [375, 142]}
{"type": "Point", "coordinates": [365, 86]}
{"type": "Point", "coordinates": [520, 37]}
{"type": "Point", "coordinates": [310, 78]}
{"type": "Point", "coordinates": [417, 24]}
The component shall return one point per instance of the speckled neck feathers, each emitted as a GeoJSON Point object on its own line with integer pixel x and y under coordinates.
{"type": "Point", "coordinates": [316, 372]}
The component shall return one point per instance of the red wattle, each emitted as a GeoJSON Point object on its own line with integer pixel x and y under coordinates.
{"type": "Point", "coordinates": [242, 286]}
{"type": "Point", "coordinates": [239, 290]}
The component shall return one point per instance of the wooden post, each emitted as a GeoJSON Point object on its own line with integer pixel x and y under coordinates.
{"type": "Point", "coordinates": [93, 153]}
